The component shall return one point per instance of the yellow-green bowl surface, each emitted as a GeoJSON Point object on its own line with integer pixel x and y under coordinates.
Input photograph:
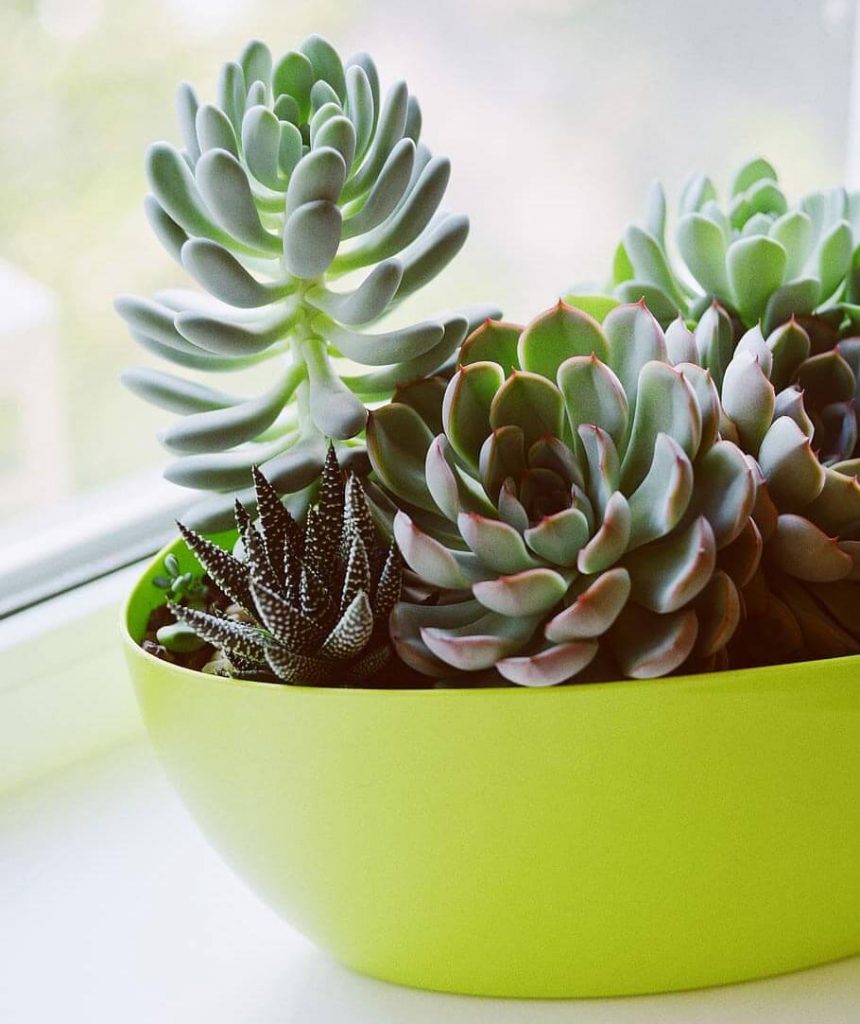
{"type": "Point", "coordinates": [592, 840]}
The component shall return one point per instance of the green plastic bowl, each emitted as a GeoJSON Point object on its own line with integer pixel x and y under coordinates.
{"type": "Point", "coordinates": [593, 840]}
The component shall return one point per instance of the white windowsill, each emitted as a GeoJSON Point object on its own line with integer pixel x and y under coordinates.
{"type": "Point", "coordinates": [115, 909]}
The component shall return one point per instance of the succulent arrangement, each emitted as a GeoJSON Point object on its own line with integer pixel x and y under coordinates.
{"type": "Point", "coordinates": [658, 478]}
{"type": "Point", "coordinates": [579, 501]}
{"type": "Point", "coordinates": [299, 178]}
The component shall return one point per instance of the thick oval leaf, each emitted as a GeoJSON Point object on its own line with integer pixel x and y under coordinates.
{"type": "Point", "coordinates": [532, 592]}
{"type": "Point", "coordinates": [318, 176]}
{"type": "Point", "coordinates": [649, 645]}
{"type": "Point", "coordinates": [433, 562]}
{"type": "Point", "coordinates": [703, 247]}
{"type": "Point", "coordinates": [649, 263]}
{"type": "Point", "coordinates": [557, 335]}
{"type": "Point", "coordinates": [718, 609]}
{"type": "Point", "coordinates": [794, 475]}
{"type": "Point", "coordinates": [175, 393]}
{"type": "Point", "coordinates": [798, 298]}
{"type": "Point", "coordinates": [680, 343]}
{"type": "Point", "coordinates": [834, 258]}
{"type": "Point", "coordinates": [369, 301]}
{"type": "Point", "coordinates": [337, 133]}
{"type": "Point", "coordinates": [480, 644]}
{"type": "Point", "coordinates": [558, 538]}
{"type": "Point", "coordinates": [215, 131]}
{"type": "Point", "coordinates": [326, 63]}
{"type": "Point", "coordinates": [432, 251]}
{"type": "Point", "coordinates": [398, 441]}
{"type": "Point", "coordinates": [502, 456]}
{"type": "Point", "coordinates": [223, 276]}
{"type": "Point", "coordinates": [826, 378]}
{"type": "Point", "coordinates": [311, 238]}
{"type": "Point", "coordinates": [398, 346]}
{"type": "Point", "coordinates": [660, 501]}
{"type": "Point", "coordinates": [261, 142]}
{"type": "Point", "coordinates": [493, 341]}
{"type": "Point", "coordinates": [752, 342]}
{"type": "Point", "coordinates": [707, 399]}
{"type": "Point", "coordinates": [748, 399]}
{"type": "Point", "coordinates": [751, 172]}
{"type": "Point", "coordinates": [715, 341]}
{"type": "Point", "coordinates": [594, 610]}
{"type": "Point", "coordinates": [635, 338]}
{"type": "Point", "coordinates": [755, 267]}
{"type": "Point", "coordinates": [837, 507]}
{"type": "Point", "coordinates": [724, 491]}
{"type": "Point", "coordinates": [669, 573]}
{"type": "Point", "coordinates": [741, 558]}
{"type": "Point", "coordinates": [466, 407]}
{"type": "Point", "coordinates": [793, 231]}
{"type": "Point", "coordinates": [219, 429]}
{"type": "Point", "coordinates": [593, 395]}
{"type": "Point", "coordinates": [665, 404]}
{"type": "Point", "coordinates": [603, 466]}
{"type": "Point", "coordinates": [405, 224]}
{"type": "Point", "coordinates": [387, 191]}
{"type": "Point", "coordinates": [789, 346]}
{"type": "Point", "coordinates": [801, 550]}
{"type": "Point", "coordinates": [530, 402]}
{"type": "Point", "coordinates": [610, 541]}
{"type": "Point", "coordinates": [557, 664]}
{"type": "Point", "coordinates": [498, 545]}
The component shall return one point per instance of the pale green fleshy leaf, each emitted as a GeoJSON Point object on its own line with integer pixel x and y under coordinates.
{"type": "Point", "coordinates": [804, 551]}
{"type": "Point", "coordinates": [530, 402]}
{"type": "Point", "coordinates": [634, 338]}
{"type": "Point", "coordinates": [311, 238]}
{"type": "Point", "coordinates": [531, 592]}
{"type": "Point", "coordinates": [593, 394]}
{"type": "Point", "coordinates": [648, 645]}
{"type": "Point", "coordinates": [558, 538]}
{"type": "Point", "coordinates": [466, 407]}
{"type": "Point", "coordinates": [660, 501]}
{"type": "Point", "coordinates": [755, 267]}
{"type": "Point", "coordinates": [680, 343]}
{"type": "Point", "coordinates": [557, 335]}
{"type": "Point", "coordinates": [610, 541]}
{"type": "Point", "coordinates": [748, 399]}
{"type": "Point", "coordinates": [594, 610]}
{"type": "Point", "coordinates": [665, 404]}
{"type": "Point", "coordinates": [669, 573]}
{"type": "Point", "coordinates": [498, 545]}
{"type": "Point", "coordinates": [703, 248]}
{"type": "Point", "coordinates": [557, 664]}
{"type": "Point", "coordinates": [224, 276]}
{"type": "Point", "coordinates": [724, 491]}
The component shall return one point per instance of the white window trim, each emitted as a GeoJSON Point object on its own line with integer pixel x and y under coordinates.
{"type": "Point", "coordinates": [86, 538]}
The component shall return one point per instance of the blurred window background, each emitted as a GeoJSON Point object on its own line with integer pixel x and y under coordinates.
{"type": "Point", "coordinates": [556, 115]}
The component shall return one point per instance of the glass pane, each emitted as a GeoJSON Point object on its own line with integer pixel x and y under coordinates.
{"type": "Point", "coordinates": [556, 114]}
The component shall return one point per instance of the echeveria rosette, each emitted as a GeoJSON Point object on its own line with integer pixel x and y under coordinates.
{"type": "Point", "coordinates": [762, 259]}
{"type": "Point", "coordinates": [299, 175]}
{"type": "Point", "coordinates": [794, 416]}
{"type": "Point", "coordinates": [578, 510]}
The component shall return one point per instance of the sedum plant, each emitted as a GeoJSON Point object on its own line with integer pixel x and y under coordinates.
{"type": "Point", "coordinates": [305, 205]}
{"type": "Point", "coordinates": [760, 258]}
{"type": "Point", "coordinates": [309, 605]}
{"type": "Point", "coordinates": [574, 501]}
